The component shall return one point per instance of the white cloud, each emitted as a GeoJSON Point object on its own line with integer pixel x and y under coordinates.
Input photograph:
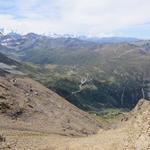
{"type": "Point", "coordinates": [92, 17]}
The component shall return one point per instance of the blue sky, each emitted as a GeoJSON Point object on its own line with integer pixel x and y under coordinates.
{"type": "Point", "coordinates": [81, 17]}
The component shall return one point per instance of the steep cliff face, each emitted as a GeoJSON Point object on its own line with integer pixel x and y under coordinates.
{"type": "Point", "coordinates": [27, 105]}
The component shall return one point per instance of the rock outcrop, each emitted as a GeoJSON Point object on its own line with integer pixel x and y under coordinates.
{"type": "Point", "coordinates": [138, 127]}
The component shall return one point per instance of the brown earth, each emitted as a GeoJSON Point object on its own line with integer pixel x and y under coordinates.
{"type": "Point", "coordinates": [133, 133]}
{"type": "Point", "coordinates": [27, 105]}
{"type": "Point", "coordinates": [41, 121]}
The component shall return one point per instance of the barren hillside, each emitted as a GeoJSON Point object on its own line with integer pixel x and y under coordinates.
{"type": "Point", "coordinates": [27, 105]}
{"type": "Point", "coordinates": [133, 133]}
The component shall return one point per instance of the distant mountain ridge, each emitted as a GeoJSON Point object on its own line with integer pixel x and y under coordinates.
{"type": "Point", "coordinates": [63, 50]}
{"type": "Point", "coordinates": [110, 40]}
{"type": "Point", "coordinates": [88, 74]}
{"type": "Point", "coordinates": [15, 39]}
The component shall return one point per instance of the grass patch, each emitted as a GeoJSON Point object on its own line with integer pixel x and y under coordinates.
{"type": "Point", "coordinates": [108, 116]}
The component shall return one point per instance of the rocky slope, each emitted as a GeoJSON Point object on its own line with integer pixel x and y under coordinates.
{"type": "Point", "coordinates": [133, 133]}
{"type": "Point", "coordinates": [27, 105]}
{"type": "Point", "coordinates": [138, 127]}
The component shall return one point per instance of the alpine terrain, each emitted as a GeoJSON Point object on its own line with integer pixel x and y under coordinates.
{"type": "Point", "coordinates": [100, 87]}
